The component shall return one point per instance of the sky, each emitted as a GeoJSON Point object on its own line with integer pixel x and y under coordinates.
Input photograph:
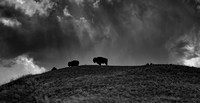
{"type": "Point", "coordinates": [37, 35]}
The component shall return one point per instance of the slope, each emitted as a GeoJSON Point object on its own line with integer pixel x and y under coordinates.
{"type": "Point", "coordinates": [107, 84]}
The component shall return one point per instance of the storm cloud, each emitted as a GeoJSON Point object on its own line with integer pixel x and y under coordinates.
{"type": "Point", "coordinates": [128, 32]}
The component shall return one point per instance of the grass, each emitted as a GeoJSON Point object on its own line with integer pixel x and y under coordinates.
{"type": "Point", "coordinates": [107, 84]}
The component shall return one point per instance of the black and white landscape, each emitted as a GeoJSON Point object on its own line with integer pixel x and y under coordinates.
{"type": "Point", "coordinates": [51, 40]}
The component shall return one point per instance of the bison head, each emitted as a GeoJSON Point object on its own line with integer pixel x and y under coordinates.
{"type": "Point", "coordinates": [95, 60]}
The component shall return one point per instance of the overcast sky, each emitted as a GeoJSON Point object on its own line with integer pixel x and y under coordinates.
{"type": "Point", "coordinates": [36, 35]}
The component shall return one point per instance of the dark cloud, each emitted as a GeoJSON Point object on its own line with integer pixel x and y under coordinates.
{"type": "Point", "coordinates": [128, 32]}
{"type": "Point", "coordinates": [180, 48]}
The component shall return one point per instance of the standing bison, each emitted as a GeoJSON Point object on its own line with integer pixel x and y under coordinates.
{"type": "Point", "coordinates": [100, 60]}
{"type": "Point", "coordinates": [73, 63]}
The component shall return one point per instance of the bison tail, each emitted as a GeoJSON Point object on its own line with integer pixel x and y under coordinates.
{"type": "Point", "coordinates": [106, 61]}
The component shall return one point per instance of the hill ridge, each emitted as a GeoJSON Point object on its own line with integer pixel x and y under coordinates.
{"type": "Point", "coordinates": [116, 84]}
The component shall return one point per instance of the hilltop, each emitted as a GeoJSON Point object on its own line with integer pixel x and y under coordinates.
{"type": "Point", "coordinates": [110, 84]}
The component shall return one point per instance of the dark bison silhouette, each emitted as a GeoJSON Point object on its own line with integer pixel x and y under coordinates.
{"type": "Point", "coordinates": [73, 63]}
{"type": "Point", "coordinates": [100, 60]}
{"type": "Point", "coordinates": [54, 68]}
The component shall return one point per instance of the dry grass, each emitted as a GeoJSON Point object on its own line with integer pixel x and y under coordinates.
{"type": "Point", "coordinates": [107, 84]}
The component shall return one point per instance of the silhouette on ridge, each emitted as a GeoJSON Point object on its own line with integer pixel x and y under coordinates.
{"type": "Point", "coordinates": [54, 68]}
{"type": "Point", "coordinates": [73, 63]}
{"type": "Point", "coordinates": [100, 60]}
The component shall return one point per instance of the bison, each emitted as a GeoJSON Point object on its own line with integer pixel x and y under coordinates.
{"type": "Point", "coordinates": [73, 63]}
{"type": "Point", "coordinates": [100, 60]}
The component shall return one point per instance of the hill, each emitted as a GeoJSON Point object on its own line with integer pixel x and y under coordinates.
{"type": "Point", "coordinates": [107, 84]}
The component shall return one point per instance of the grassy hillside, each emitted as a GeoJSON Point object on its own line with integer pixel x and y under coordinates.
{"type": "Point", "coordinates": [107, 84]}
